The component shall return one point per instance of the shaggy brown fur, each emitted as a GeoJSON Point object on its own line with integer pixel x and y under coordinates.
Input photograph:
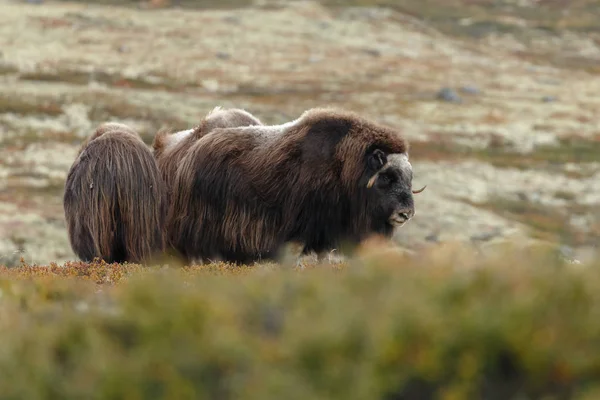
{"type": "Point", "coordinates": [114, 199]}
{"type": "Point", "coordinates": [169, 148]}
{"type": "Point", "coordinates": [328, 178]}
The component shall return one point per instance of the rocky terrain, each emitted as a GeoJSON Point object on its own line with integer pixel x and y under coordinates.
{"type": "Point", "coordinates": [502, 115]}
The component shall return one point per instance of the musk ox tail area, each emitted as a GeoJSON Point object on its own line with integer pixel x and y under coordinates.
{"type": "Point", "coordinates": [114, 199]}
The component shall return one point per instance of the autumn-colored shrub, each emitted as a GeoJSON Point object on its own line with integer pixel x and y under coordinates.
{"type": "Point", "coordinates": [443, 325]}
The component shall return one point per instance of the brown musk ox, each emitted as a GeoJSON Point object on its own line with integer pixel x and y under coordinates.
{"type": "Point", "coordinates": [115, 198]}
{"type": "Point", "coordinates": [328, 178]}
{"type": "Point", "coordinates": [169, 148]}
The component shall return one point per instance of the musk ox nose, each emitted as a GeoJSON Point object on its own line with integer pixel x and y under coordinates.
{"type": "Point", "coordinates": [400, 216]}
{"type": "Point", "coordinates": [406, 213]}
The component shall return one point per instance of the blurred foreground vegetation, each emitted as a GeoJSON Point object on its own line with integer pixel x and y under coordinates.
{"type": "Point", "coordinates": [445, 324]}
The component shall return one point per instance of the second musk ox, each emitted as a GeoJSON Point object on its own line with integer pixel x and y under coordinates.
{"type": "Point", "coordinates": [326, 179]}
{"type": "Point", "coordinates": [170, 148]}
{"type": "Point", "coordinates": [114, 198]}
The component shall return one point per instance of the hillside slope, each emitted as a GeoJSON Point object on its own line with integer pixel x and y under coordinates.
{"type": "Point", "coordinates": [503, 125]}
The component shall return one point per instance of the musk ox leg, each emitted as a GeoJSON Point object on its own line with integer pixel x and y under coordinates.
{"type": "Point", "coordinates": [114, 199]}
{"type": "Point", "coordinates": [325, 257]}
{"type": "Point", "coordinates": [321, 253]}
{"type": "Point", "coordinates": [82, 242]}
{"type": "Point", "coordinates": [198, 261]}
{"type": "Point", "coordinates": [333, 257]}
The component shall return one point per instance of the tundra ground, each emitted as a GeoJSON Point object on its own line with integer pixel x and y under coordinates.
{"type": "Point", "coordinates": [499, 101]}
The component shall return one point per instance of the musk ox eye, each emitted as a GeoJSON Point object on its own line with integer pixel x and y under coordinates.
{"type": "Point", "coordinates": [385, 180]}
{"type": "Point", "coordinates": [377, 159]}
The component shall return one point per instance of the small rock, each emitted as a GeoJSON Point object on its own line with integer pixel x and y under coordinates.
{"type": "Point", "coordinates": [549, 99]}
{"type": "Point", "coordinates": [433, 237]}
{"type": "Point", "coordinates": [470, 90]}
{"type": "Point", "coordinates": [485, 236]}
{"type": "Point", "coordinates": [232, 19]}
{"type": "Point", "coordinates": [449, 95]}
{"type": "Point", "coordinates": [534, 197]}
{"type": "Point", "coordinates": [372, 52]}
{"type": "Point", "coordinates": [223, 55]}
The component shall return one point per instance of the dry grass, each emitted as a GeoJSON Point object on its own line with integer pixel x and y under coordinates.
{"type": "Point", "coordinates": [7, 69]}
{"type": "Point", "coordinates": [28, 106]}
{"type": "Point", "coordinates": [77, 77]}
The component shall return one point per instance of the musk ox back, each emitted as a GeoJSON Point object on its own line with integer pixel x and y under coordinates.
{"type": "Point", "coordinates": [114, 198]}
{"type": "Point", "coordinates": [330, 177]}
{"type": "Point", "coordinates": [169, 148]}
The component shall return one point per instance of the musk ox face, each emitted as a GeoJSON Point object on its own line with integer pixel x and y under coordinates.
{"type": "Point", "coordinates": [389, 183]}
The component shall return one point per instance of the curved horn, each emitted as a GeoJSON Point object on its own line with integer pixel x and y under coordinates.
{"type": "Point", "coordinates": [372, 180]}
{"type": "Point", "coordinates": [420, 190]}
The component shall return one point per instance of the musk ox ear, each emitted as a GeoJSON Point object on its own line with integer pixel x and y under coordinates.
{"type": "Point", "coordinates": [322, 138]}
{"type": "Point", "coordinates": [376, 160]}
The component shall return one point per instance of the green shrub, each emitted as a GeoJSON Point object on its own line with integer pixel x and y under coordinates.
{"type": "Point", "coordinates": [388, 327]}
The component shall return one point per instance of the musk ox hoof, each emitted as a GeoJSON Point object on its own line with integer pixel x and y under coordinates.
{"type": "Point", "coordinates": [335, 258]}
{"type": "Point", "coordinates": [198, 261]}
{"type": "Point", "coordinates": [327, 257]}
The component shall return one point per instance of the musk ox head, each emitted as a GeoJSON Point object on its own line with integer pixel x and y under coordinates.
{"type": "Point", "coordinates": [370, 163]}
{"type": "Point", "coordinates": [389, 183]}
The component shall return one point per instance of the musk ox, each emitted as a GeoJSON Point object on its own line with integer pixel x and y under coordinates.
{"type": "Point", "coordinates": [328, 178]}
{"type": "Point", "coordinates": [169, 148]}
{"type": "Point", "coordinates": [114, 198]}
